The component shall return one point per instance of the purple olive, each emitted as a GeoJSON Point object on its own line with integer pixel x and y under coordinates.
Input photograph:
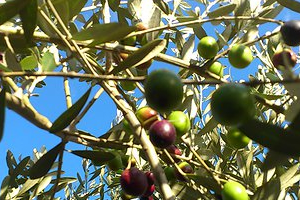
{"type": "Point", "coordinates": [134, 182]}
{"type": "Point", "coordinates": [162, 134]}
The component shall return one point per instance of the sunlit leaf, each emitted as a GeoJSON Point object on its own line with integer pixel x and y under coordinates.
{"type": "Point", "coordinates": [98, 34]}
{"type": "Point", "coordinates": [29, 19]}
{"type": "Point", "coordinates": [163, 6]}
{"type": "Point", "coordinates": [48, 62]}
{"type": "Point", "coordinates": [28, 185]}
{"type": "Point", "coordinates": [222, 11]}
{"type": "Point", "coordinates": [44, 164]}
{"type": "Point", "coordinates": [144, 54]}
{"type": "Point", "coordinates": [42, 185]}
{"type": "Point", "coordinates": [67, 117]}
{"type": "Point", "coordinates": [29, 63]}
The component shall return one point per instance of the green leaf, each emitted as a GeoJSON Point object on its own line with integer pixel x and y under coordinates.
{"type": "Point", "coordinates": [41, 186]}
{"type": "Point", "coordinates": [98, 34]}
{"type": "Point", "coordinates": [62, 7]}
{"type": "Point", "coordinates": [27, 186]}
{"type": "Point", "coordinates": [295, 125]}
{"type": "Point", "coordinates": [18, 170]}
{"type": "Point", "coordinates": [4, 187]}
{"type": "Point", "coordinates": [48, 62]}
{"type": "Point", "coordinates": [11, 61]}
{"type": "Point", "coordinates": [114, 4]}
{"type": "Point", "coordinates": [4, 68]}
{"type": "Point", "coordinates": [29, 63]}
{"type": "Point", "coordinates": [29, 19]}
{"type": "Point", "coordinates": [222, 11]}
{"type": "Point", "coordinates": [268, 96]}
{"type": "Point", "coordinates": [163, 6]}
{"type": "Point", "coordinates": [98, 157]}
{"type": "Point", "coordinates": [2, 112]}
{"type": "Point", "coordinates": [75, 7]}
{"type": "Point", "coordinates": [272, 136]}
{"type": "Point", "coordinates": [44, 164]}
{"type": "Point", "coordinates": [144, 54]}
{"type": "Point", "coordinates": [290, 4]}
{"type": "Point", "coordinates": [11, 8]}
{"type": "Point", "coordinates": [66, 117]}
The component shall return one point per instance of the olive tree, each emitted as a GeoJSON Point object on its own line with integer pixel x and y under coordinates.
{"type": "Point", "coordinates": [113, 47]}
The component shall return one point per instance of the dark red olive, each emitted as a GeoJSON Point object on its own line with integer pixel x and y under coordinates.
{"type": "Point", "coordinates": [162, 134]}
{"type": "Point", "coordinates": [134, 182]}
{"type": "Point", "coordinates": [173, 150]}
{"type": "Point", "coordinates": [286, 58]}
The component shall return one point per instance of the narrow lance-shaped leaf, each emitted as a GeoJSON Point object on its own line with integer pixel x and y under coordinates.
{"type": "Point", "coordinates": [102, 33]}
{"type": "Point", "coordinates": [222, 11]}
{"type": "Point", "coordinates": [66, 117]}
{"type": "Point", "coordinates": [11, 8]}
{"type": "Point", "coordinates": [4, 187]}
{"type": "Point", "coordinates": [295, 125]}
{"type": "Point", "coordinates": [290, 4]}
{"type": "Point", "coordinates": [98, 157]}
{"type": "Point", "coordinates": [18, 170]}
{"type": "Point", "coordinates": [142, 55]}
{"type": "Point", "coordinates": [272, 136]}
{"type": "Point", "coordinates": [29, 19]}
{"type": "Point", "coordinates": [44, 164]}
{"type": "Point", "coordinates": [2, 112]}
{"type": "Point", "coordinates": [75, 7]}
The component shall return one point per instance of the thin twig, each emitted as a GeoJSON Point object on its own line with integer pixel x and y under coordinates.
{"type": "Point", "coordinates": [67, 88]}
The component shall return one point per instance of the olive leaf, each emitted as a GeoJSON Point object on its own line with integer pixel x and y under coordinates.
{"type": "Point", "coordinates": [29, 19]}
{"type": "Point", "coordinates": [66, 117]}
{"type": "Point", "coordinates": [98, 34]}
{"type": "Point", "coordinates": [144, 54]}
{"type": "Point", "coordinates": [272, 136]}
{"type": "Point", "coordinates": [2, 111]}
{"type": "Point", "coordinates": [290, 4]}
{"type": "Point", "coordinates": [44, 164]}
{"type": "Point", "coordinates": [98, 157]}
{"type": "Point", "coordinates": [11, 8]}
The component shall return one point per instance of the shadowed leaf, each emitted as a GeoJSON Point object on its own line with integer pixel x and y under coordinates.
{"type": "Point", "coordinates": [44, 164]}
{"type": "Point", "coordinates": [75, 7]}
{"type": "Point", "coordinates": [144, 54]}
{"type": "Point", "coordinates": [66, 117]}
{"type": "Point", "coordinates": [98, 157]}
{"type": "Point", "coordinates": [273, 137]}
{"type": "Point", "coordinates": [4, 187]}
{"type": "Point", "coordinates": [18, 170]}
{"type": "Point", "coordinates": [29, 19]}
{"type": "Point", "coordinates": [2, 112]}
{"type": "Point", "coordinates": [290, 4]}
{"type": "Point", "coordinates": [10, 9]}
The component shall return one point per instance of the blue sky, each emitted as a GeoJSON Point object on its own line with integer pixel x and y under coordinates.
{"type": "Point", "coordinates": [21, 137]}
